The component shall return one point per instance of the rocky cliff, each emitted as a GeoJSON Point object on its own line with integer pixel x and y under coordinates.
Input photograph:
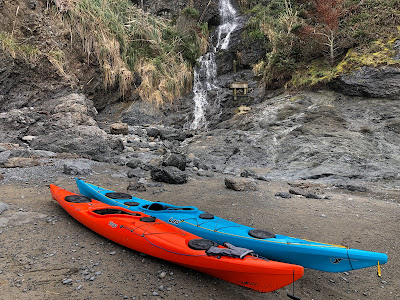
{"type": "Point", "coordinates": [347, 131]}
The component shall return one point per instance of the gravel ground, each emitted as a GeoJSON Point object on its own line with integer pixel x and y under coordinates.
{"type": "Point", "coordinates": [45, 254]}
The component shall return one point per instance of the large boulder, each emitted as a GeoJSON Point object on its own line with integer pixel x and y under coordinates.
{"type": "Point", "coordinates": [169, 174]}
{"type": "Point", "coordinates": [21, 162]}
{"type": "Point", "coordinates": [77, 168]}
{"type": "Point", "coordinates": [176, 160]}
{"type": "Point", "coordinates": [240, 184]}
{"type": "Point", "coordinates": [70, 127]}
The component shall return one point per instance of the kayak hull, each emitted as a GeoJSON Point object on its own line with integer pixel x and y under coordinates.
{"type": "Point", "coordinates": [137, 231]}
{"type": "Point", "coordinates": [309, 254]}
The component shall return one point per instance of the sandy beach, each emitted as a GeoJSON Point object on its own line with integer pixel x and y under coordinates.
{"type": "Point", "coordinates": [45, 254]}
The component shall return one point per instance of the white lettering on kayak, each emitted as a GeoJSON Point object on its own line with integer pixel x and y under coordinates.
{"type": "Point", "coordinates": [174, 221]}
{"type": "Point", "coordinates": [112, 224]}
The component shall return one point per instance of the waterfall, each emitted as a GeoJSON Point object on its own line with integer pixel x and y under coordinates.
{"type": "Point", "coordinates": [206, 72]}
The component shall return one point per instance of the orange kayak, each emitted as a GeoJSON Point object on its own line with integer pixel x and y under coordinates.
{"type": "Point", "coordinates": [157, 238]}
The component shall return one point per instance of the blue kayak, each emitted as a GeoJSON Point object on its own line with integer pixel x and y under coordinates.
{"type": "Point", "coordinates": [309, 254]}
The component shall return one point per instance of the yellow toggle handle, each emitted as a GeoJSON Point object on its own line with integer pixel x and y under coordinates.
{"type": "Point", "coordinates": [379, 270]}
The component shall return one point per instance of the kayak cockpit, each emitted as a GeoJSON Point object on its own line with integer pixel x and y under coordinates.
{"type": "Point", "coordinates": [114, 211]}
{"type": "Point", "coordinates": [156, 206]}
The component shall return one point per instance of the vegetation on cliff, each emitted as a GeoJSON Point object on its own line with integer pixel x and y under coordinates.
{"type": "Point", "coordinates": [311, 42]}
{"type": "Point", "coordinates": [136, 51]}
{"type": "Point", "coordinates": [127, 40]}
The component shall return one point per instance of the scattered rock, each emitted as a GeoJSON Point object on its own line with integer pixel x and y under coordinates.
{"type": "Point", "coordinates": [3, 207]}
{"type": "Point", "coordinates": [28, 138]}
{"type": "Point", "coordinates": [162, 275]}
{"type": "Point", "coordinates": [134, 163]}
{"type": "Point", "coordinates": [283, 195]}
{"type": "Point", "coordinates": [77, 168]}
{"type": "Point", "coordinates": [4, 156]}
{"type": "Point", "coordinates": [137, 186]}
{"type": "Point", "coordinates": [21, 162]}
{"type": "Point", "coordinates": [304, 194]}
{"type": "Point", "coordinates": [119, 128]}
{"type": "Point", "coordinates": [169, 174]}
{"type": "Point", "coordinates": [176, 160]}
{"type": "Point", "coordinates": [173, 135]}
{"type": "Point", "coordinates": [153, 132]}
{"type": "Point", "coordinates": [67, 281]}
{"type": "Point", "coordinates": [353, 188]}
{"type": "Point", "coordinates": [199, 164]}
{"type": "Point", "coordinates": [251, 174]}
{"type": "Point", "coordinates": [138, 173]}
{"type": "Point", "coordinates": [240, 184]}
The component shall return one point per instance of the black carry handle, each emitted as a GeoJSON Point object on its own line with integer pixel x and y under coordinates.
{"type": "Point", "coordinates": [293, 296]}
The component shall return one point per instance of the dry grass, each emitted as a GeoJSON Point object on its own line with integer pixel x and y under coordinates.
{"type": "Point", "coordinates": [127, 41]}
{"type": "Point", "coordinates": [10, 44]}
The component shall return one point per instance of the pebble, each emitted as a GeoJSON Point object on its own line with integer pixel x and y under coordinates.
{"type": "Point", "coordinates": [155, 294]}
{"type": "Point", "coordinates": [78, 287]}
{"type": "Point", "coordinates": [162, 275]}
{"type": "Point", "coordinates": [161, 288]}
{"type": "Point", "coordinates": [113, 253]}
{"type": "Point", "coordinates": [67, 281]}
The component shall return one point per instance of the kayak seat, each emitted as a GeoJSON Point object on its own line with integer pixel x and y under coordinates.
{"type": "Point", "coordinates": [77, 199]}
{"type": "Point", "coordinates": [113, 211]}
{"type": "Point", "coordinates": [114, 195]}
{"type": "Point", "coordinates": [201, 244]}
{"type": "Point", "coordinates": [261, 234]}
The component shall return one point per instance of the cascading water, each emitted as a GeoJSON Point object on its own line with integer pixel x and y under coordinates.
{"type": "Point", "coordinates": [206, 72]}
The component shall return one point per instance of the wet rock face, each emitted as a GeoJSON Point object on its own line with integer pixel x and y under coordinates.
{"type": "Point", "coordinates": [311, 136]}
{"type": "Point", "coordinates": [381, 82]}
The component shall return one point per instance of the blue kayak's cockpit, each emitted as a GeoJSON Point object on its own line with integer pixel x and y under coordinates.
{"type": "Point", "coordinates": [156, 206]}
